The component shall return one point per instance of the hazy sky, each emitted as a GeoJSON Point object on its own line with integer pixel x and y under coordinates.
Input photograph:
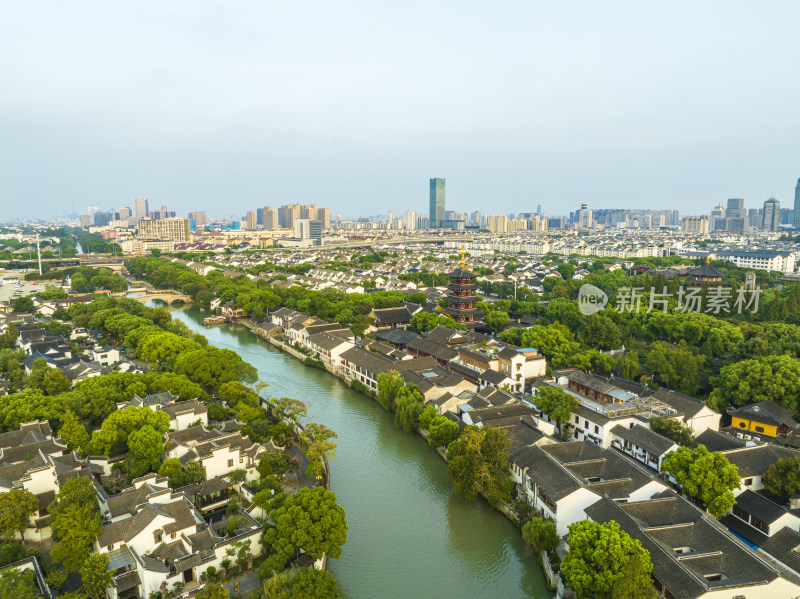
{"type": "Point", "coordinates": [228, 106]}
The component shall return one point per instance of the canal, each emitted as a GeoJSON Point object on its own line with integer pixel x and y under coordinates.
{"type": "Point", "coordinates": [409, 534]}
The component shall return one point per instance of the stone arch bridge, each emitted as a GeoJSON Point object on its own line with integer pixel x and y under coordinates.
{"type": "Point", "coordinates": [164, 295]}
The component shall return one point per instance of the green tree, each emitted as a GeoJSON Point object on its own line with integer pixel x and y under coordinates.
{"type": "Point", "coordinates": [706, 476]}
{"type": "Point", "coordinates": [556, 403]}
{"type": "Point", "coordinates": [319, 447]}
{"type": "Point", "coordinates": [145, 446]}
{"type": "Point", "coordinates": [389, 385]}
{"type": "Point", "coordinates": [477, 460]}
{"type": "Point", "coordinates": [782, 479]}
{"type": "Point", "coordinates": [672, 429]}
{"type": "Point", "coordinates": [213, 591]}
{"type": "Point", "coordinates": [50, 381]}
{"type": "Point", "coordinates": [408, 407]}
{"type": "Point", "coordinates": [22, 304]}
{"type": "Point", "coordinates": [75, 520]}
{"type": "Point", "coordinates": [121, 424]}
{"type": "Point", "coordinates": [311, 520]}
{"type": "Point", "coordinates": [96, 575]}
{"type": "Point", "coordinates": [16, 508]}
{"type": "Point", "coordinates": [18, 584]}
{"type": "Point", "coordinates": [599, 556]}
{"type": "Point", "coordinates": [360, 324]}
{"type": "Point", "coordinates": [497, 320]}
{"type": "Point", "coordinates": [72, 432]}
{"type": "Point", "coordinates": [443, 431]}
{"type": "Point", "coordinates": [628, 365]}
{"type": "Point", "coordinates": [428, 414]}
{"type": "Point", "coordinates": [775, 378]}
{"type": "Point", "coordinates": [315, 584]}
{"type": "Point", "coordinates": [540, 534]}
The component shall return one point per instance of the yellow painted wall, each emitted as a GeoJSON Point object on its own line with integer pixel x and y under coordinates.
{"type": "Point", "coordinates": [750, 425]}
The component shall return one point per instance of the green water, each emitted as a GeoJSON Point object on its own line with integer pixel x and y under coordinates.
{"type": "Point", "coordinates": [409, 535]}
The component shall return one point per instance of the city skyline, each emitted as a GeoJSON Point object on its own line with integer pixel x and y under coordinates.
{"type": "Point", "coordinates": [193, 119]}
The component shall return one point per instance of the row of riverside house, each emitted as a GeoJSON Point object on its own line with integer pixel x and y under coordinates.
{"type": "Point", "coordinates": [612, 470]}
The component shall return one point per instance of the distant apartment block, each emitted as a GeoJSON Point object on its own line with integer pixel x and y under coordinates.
{"type": "Point", "coordinates": [695, 224]}
{"type": "Point", "coordinates": [173, 229]}
{"type": "Point", "coordinates": [140, 206]}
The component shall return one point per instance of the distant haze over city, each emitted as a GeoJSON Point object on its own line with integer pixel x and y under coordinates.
{"type": "Point", "coordinates": [355, 106]}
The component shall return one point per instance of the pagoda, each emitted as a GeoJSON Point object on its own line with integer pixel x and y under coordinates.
{"type": "Point", "coordinates": [461, 297]}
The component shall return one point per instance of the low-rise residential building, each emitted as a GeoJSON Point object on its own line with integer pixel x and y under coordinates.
{"type": "Point", "coordinates": [693, 558]}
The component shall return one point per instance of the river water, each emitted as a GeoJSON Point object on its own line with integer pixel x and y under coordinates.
{"type": "Point", "coordinates": [409, 535]}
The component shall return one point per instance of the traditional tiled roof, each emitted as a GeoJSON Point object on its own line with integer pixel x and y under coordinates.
{"type": "Point", "coordinates": [28, 432]}
{"type": "Point", "coordinates": [643, 437]}
{"type": "Point", "coordinates": [367, 360]}
{"type": "Point", "coordinates": [755, 461]}
{"type": "Point", "coordinates": [784, 546]}
{"type": "Point", "coordinates": [430, 347]}
{"type": "Point", "coordinates": [685, 547]}
{"type": "Point", "coordinates": [716, 441]}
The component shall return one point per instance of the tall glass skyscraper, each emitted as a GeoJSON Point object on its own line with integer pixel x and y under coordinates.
{"type": "Point", "coordinates": [796, 215]}
{"type": "Point", "coordinates": [437, 203]}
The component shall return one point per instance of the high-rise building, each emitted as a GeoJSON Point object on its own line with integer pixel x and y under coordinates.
{"type": "Point", "coordinates": [583, 217]}
{"type": "Point", "coordinates": [539, 209]}
{"type": "Point", "coordinates": [201, 218]}
{"type": "Point", "coordinates": [390, 218]}
{"type": "Point", "coordinates": [270, 218]}
{"type": "Point", "coordinates": [411, 220]}
{"type": "Point", "coordinates": [497, 223]}
{"type": "Point", "coordinates": [796, 215]}
{"type": "Point", "coordinates": [735, 208]}
{"type": "Point", "coordinates": [86, 220]}
{"type": "Point", "coordinates": [288, 213]}
{"type": "Point", "coordinates": [324, 216]}
{"type": "Point", "coordinates": [717, 221]}
{"type": "Point", "coordinates": [252, 220]}
{"type": "Point", "coordinates": [174, 229]}
{"type": "Point", "coordinates": [476, 218]}
{"type": "Point", "coordinates": [140, 205]}
{"type": "Point", "coordinates": [101, 219]}
{"type": "Point", "coordinates": [436, 213]}
{"type": "Point", "coordinates": [694, 224]}
{"type": "Point", "coordinates": [124, 213]}
{"type": "Point", "coordinates": [772, 215]}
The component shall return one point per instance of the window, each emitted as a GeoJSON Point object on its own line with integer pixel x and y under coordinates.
{"type": "Point", "coordinates": [577, 420]}
{"type": "Point", "coordinates": [586, 424]}
{"type": "Point", "coordinates": [742, 425]}
{"type": "Point", "coordinates": [596, 430]}
{"type": "Point", "coordinates": [756, 523]}
{"type": "Point", "coordinates": [740, 513]}
{"type": "Point", "coordinates": [759, 429]}
{"type": "Point", "coordinates": [748, 482]}
{"type": "Point", "coordinates": [241, 460]}
{"type": "Point", "coordinates": [230, 463]}
{"type": "Point", "coordinates": [172, 535]}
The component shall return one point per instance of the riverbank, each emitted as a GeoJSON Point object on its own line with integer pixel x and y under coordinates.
{"type": "Point", "coordinates": [279, 342]}
{"type": "Point", "coordinates": [401, 508]}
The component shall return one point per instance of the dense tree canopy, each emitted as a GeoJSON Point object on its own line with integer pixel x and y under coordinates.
{"type": "Point", "coordinates": [782, 479]}
{"type": "Point", "coordinates": [706, 476]}
{"type": "Point", "coordinates": [311, 520]}
{"type": "Point", "coordinates": [16, 508]}
{"type": "Point", "coordinates": [479, 460]}
{"type": "Point", "coordinates": [601, 557]}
